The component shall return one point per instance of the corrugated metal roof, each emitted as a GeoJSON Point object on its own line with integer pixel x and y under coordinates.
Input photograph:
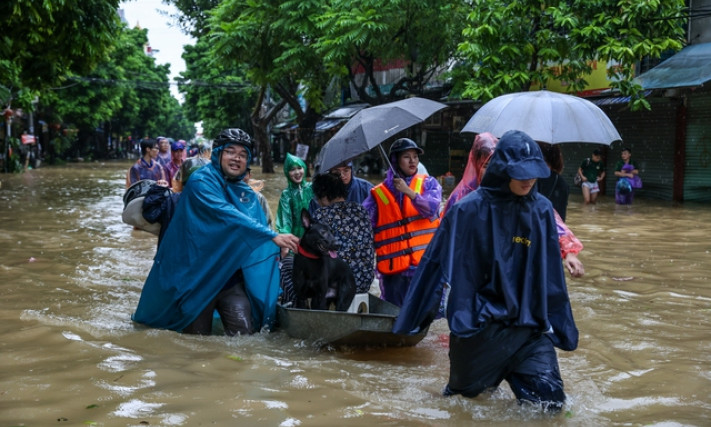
{"type": "Point", "coordinates": [613, 100]}
{"type": "Point", "coordinates": [345, 112]}
{"type": "Point", "coordinates": [690, 67]}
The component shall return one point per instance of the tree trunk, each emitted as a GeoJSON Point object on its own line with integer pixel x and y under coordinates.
{"type": "Point", "coordinates": [261, 136]}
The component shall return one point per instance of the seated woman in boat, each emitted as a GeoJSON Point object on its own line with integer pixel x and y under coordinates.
{"type": "Point", "coordinates": [350, 224]}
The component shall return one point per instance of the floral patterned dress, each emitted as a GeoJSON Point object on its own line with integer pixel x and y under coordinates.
{"type": "Point", "coordinates": [350, 224]}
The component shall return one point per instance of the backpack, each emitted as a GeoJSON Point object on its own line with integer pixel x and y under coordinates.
{"type": "Point", "coordinates": [624, 186]}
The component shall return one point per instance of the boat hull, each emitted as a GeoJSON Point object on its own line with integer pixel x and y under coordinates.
{"type": "Point", "coordinates": [337, 328]}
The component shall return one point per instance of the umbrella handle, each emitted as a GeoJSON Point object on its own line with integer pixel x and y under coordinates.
{"type": "Point", "coordinates": [387, 160]}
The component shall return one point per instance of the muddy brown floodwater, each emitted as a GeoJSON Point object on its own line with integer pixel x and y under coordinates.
{"type": "Point", "coordinates": [71, 274]}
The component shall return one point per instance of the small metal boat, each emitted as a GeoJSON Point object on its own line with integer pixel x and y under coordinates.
{"type": "Point", "coordinates": [354, 329]}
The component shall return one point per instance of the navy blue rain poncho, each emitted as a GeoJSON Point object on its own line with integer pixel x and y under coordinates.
{"type": "Point", "coordinates": [218, 228]}
{"type": "Point", "coordinates": [499, 252]}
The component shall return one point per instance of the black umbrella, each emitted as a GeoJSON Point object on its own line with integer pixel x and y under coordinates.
{"type": "Point", "coordinates": [371, 126]}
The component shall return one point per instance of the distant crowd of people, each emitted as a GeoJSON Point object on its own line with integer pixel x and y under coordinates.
{"type": "Point", "coordinates": [161, 160]}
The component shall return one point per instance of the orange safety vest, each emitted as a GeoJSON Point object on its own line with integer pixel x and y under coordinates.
{"type": "Point", "coordinates": [401, 236]}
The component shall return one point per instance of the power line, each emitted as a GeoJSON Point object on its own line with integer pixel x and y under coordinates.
{"type": "Point", "coordinates": [156, 85]}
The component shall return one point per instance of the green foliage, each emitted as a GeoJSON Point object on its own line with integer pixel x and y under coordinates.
{"type": "Point", "coordinates": [43, 41]}
{"type": "Point", "coordinates": [127, 94]}
{"type": "Point", "coordinates": [91, 72]}
{"type": "Point", "coordinates": [216, 94]}
{"type": "Point", "coordinates": [423, 34]}
{"type": "Point", "coordinates": [273, 41]}
{"type": "Point", "coordinates": [193, 15]}
{"type": "Point", "coordinates": [88, 71]}
{"type": "Point", "coordinates": [58, 147]}
{"type": "Point", "coordinates": [507, 46]}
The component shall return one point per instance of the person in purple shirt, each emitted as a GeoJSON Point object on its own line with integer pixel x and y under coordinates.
{"type": "Point", "coordinates": [147, 167]}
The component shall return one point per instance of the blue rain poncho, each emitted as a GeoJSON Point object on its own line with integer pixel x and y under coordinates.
{"type": "Point", "coordinates": [218, 228]}
{"type": "Point", "coordinates": [500, 255]}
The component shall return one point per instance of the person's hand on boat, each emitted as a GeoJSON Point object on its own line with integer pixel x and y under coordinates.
{"type": "Point", "coordinates": [287, 241]}
{"type": "Point", "coordinates": [162, 183]}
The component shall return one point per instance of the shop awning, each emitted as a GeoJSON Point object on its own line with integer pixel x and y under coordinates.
{"type": "Point", "coordinates": [338, 116]}
{"type": "Point", "coordinates": [345, 112]}
{"type": "Point", "coordinates": [690, 67]}
{"type": "Point", "coordinates": [613, 100]}
{"type": "Point", "coordinates": [284, 127]}
{"type": "Point", "coordinates": [328, 124]}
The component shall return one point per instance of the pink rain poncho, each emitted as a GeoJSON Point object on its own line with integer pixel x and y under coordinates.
{"type": "Point", "coordinates": [479, 155]}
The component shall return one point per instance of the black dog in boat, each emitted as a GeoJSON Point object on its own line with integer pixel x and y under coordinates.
{"type": "Point", "coordinates": [319, 275]}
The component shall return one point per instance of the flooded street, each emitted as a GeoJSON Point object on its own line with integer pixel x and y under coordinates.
{"type": "Point", "coordinates": [71, 274]}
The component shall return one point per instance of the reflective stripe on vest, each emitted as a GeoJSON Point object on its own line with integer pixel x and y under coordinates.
{"type": "Point", "coordinates": [401, 235]}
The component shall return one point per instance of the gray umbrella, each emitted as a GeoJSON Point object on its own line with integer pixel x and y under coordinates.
{"type": "Point", "coordinates": [371, 126]}
{"type": "Point", "coordinates": [546, 117]}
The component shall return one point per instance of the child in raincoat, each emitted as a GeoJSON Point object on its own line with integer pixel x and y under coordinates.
{"type": "Point", "coordinates": [628, 173]}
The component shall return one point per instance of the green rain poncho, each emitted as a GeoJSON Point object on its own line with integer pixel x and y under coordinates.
{"type": "Point", "coordinates": [293, 199]}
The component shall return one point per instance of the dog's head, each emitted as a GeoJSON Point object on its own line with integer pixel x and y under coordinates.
{"type": "Point", "coordinates": [318, 238]}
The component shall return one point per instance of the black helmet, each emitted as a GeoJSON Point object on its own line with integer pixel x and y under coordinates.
{"type": "Point", "coordinates": [404, 144]}
{"type": "Point", "coordinates": [136, 190]}
{"type": "Point", "coordinates": [233, 136]}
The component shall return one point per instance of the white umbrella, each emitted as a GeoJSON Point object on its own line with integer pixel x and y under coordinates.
{"type": "Point", "coordinates": [545, 116]}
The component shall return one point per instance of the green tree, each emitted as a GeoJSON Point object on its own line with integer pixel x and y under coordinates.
{"type": "Point", "coordinates": [194, 15]}
{"type": "Point", "coordinates": [44, 41]}
{"type": "Point", "coordinates": [215, 94]}
{"type": "Point", "coordinates": [274, 43]}
{"type": "Point", "coordinates": [422, 34]}
{"type": "Point", "coordinates": [509, 45]}
{"type": "Point", "coordinates": [128, 94]}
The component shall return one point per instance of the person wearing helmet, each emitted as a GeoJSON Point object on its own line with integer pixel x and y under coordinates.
{"type": "Point", "coordinates": [404, 213]}
{"type": "Point", "coordinates": [218, 252]}
{"type": "Point", "coordinates": [496, 254]}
